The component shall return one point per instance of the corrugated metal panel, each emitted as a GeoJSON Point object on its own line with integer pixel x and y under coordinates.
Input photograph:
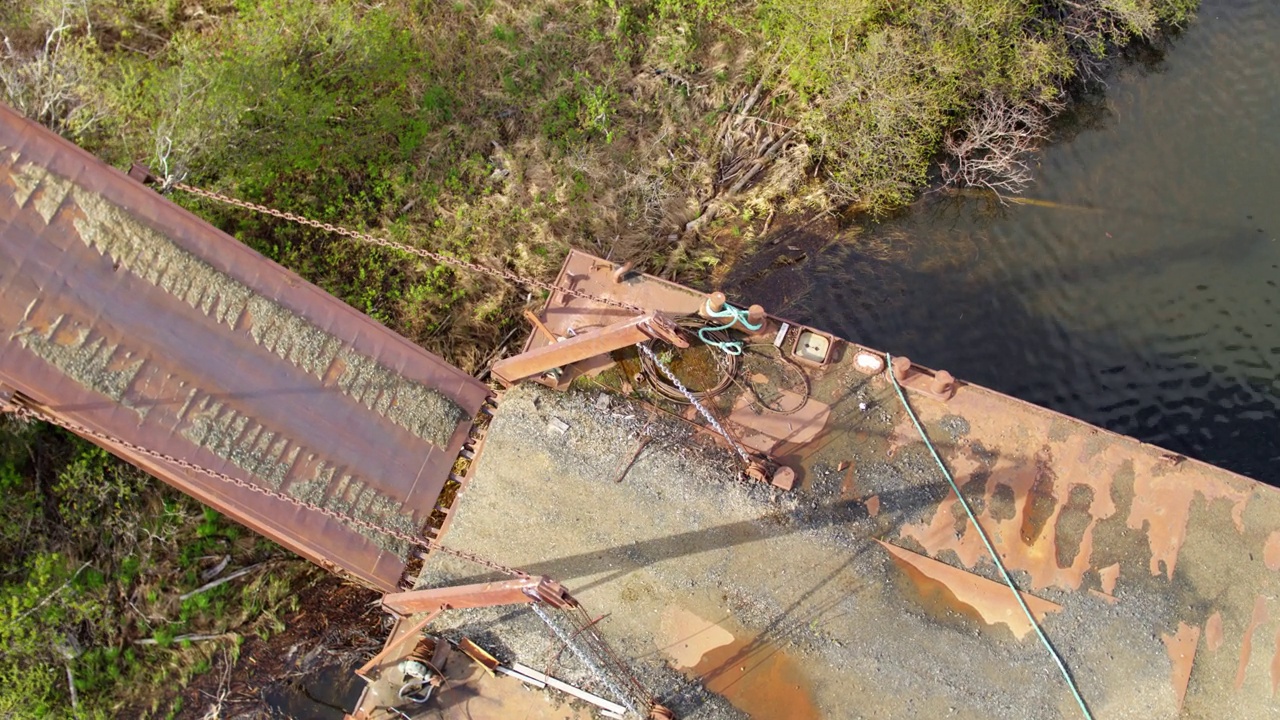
{"type": "Point", "coordinates": [123, 312]}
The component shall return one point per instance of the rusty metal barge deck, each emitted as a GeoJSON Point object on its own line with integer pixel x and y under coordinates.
{"type": "Point", "coordinates": [863, 591]}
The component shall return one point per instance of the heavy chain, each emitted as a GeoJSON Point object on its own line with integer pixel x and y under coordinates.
{"type": "Point", "coordinates": [402, 247]}
{"type": "Point", "coordinates": [702, 409]}
{"type": "Point", "coordinates": [412, 540]}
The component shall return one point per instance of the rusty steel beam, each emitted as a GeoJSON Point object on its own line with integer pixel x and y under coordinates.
{"type": "Point", "coordinates": [520, 591]}
{"type": "Point", "coordinates": [588, 345]}
{"type": "Point", "coordinates": [539, 327]}
{"type": "Point", "coordinates": [398, 646]}
{"type": "Point", "coordinates": [127, 315]}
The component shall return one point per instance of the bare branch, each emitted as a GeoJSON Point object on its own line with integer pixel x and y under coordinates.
{"type": "Point", "coordinates": [993, 149]}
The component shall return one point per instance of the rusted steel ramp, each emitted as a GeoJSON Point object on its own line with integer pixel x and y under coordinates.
{"type": "Point", "coordinates": [126, 314]}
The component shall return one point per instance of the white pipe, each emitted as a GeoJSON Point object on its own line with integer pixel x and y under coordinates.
{"type": "Point", "coordinates": [520, 676]}
{"type": "Point", "coordinates": [566, 687]}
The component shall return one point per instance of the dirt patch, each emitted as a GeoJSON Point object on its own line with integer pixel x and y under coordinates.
{"type": "Point", "coordinates": [304, 670]}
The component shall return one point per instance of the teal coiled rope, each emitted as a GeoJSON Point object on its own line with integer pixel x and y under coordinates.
{"type": "Point", "coordinates": [1062, 666]}
{"type": "Point", "coordinates": [734, 316]}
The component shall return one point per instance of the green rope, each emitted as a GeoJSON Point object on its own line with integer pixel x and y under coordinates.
{"type": "Point", "coordinates": [1062, 666]}
{"type": "Point", "coordinates": [735, 316]}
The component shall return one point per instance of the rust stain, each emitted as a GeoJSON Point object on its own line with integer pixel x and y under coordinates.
{"type": "Point", "coordinates": [1108, 575]}
{"type": "Point", "coordinates": [873, 505]}
{"type": "Point", "coordinates": [990, 601]}
{"type": "Point", "coordinates": [472, 692]}
{"type": "Point", "coordinates": [1181, 647]}
{"type": "Point", "coordinates": [1246, 646]}
{"type": "Point", "coordinates": [1060, 493]}
{"type": "Point", "coordinates": [1040, 509]}
{"type": "Point", "coordinates": [1271, 552]}
{"type": "Point", "coordinates": [1275, 667]}
{"type": "Point", "coordinates": [187, 278]}
{"type": "Point", "coordinates": [1059, 496]}
{"type": "Point", "coordinates": [180, 339]}
{"type": "Point", "coordinates": [759, 679]}
{"type": "Point", "coordinates": [799, 427]}
{"type": "Point", "coordinates": [1040, 502]}
{"type": "Point", "coordinates": [754, 675]}
{"type": "Point", "coordinates": [1213, 632]}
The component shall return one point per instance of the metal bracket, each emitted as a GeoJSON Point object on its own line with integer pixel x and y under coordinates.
{"type": "Point", "coordinates": [143, 174]}
{"type": "Point", "coordinates": [588, 345]}
{"type": "Point", "coordinates": [520, 591]}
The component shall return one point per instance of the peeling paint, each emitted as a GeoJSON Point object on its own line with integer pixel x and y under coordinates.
{"type": "Point", "coordinates": [1213, 634]}
{"type": "Point", "coordinates": [1181, 647]}
{"type": "Point", "coordinates": [1059, 496]}
{"type": "Point", "coordinates": [993, 602]}
{"type": "Point", "coordinates": [1271, 551]}
{"type": "Point", "coordinates": [1108, 577]}
{"type": "Point", "coordinates": [1162, 506]}
{"type": "Point", "coordinates": [1246, 645]}
{"type": "Point", "coordinates": [1275, 667]}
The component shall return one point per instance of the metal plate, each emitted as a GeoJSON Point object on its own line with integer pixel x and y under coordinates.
{"type": "Point", "coordinates": [123, 312]}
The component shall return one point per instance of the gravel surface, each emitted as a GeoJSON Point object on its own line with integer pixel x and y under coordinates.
{"type": "Point", "coordinates": [794, 577]}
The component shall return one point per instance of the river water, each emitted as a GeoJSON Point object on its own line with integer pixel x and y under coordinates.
{"type": "Point", "coordinates": [1138, 291]}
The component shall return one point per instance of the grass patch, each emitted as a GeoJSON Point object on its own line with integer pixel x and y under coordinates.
{"type": "Point", "coordinates": [91, 591]}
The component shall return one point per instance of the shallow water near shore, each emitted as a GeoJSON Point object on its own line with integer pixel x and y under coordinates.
{"type": "Point", "coordinates": [1137, 286]}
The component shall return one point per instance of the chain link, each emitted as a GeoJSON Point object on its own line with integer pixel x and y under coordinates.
{"type": "Point", "coordinates": [413, 540]}
{"type": "Point", "coordinates": [402, 247]}
{"type": "Point", "coordinates": [711, 418]}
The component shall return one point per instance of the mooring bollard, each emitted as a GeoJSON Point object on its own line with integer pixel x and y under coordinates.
{"type": "Point", "coordinates": [901, 368]}
{"type": "Point", "coordinates": [943, 384]}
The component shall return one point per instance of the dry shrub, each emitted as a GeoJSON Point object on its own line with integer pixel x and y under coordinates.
{"type": "Point", "coordinates": [48, 73]}
{"type": "Point", "coordinates": [994, 147]}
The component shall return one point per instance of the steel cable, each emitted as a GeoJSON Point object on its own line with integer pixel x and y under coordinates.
{"type": "Point", "coordinates": [995, 557]}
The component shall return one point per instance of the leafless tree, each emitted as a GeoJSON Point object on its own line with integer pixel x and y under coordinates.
{"type": "Point", "coordinates": [994, 147]}
{"type": "Point", "coordinates": [44, 83]}
{"type": "Point", "coordinates": [1093, 28]}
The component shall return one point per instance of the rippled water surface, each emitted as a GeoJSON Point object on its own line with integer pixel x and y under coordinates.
{"type": "Point", "coordinates": [1139, 290]}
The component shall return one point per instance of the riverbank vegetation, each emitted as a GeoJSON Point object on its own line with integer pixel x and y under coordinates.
{"type": "Point", "coordinates": [666, 132]}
